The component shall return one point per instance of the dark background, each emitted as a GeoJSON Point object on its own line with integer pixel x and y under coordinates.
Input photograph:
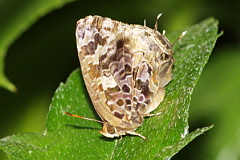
{"type": "Point", "coordinates": [46, 54]}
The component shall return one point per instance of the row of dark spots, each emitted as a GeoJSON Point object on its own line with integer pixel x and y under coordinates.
{"type": "Point", "coordinates": [140, 99]}
{"type": "Point", "coordinates": [120, 103]}
{"type": "Point", "coordinates": [88, 49]}
{"type": "Point", "coordinates": [128, 103]}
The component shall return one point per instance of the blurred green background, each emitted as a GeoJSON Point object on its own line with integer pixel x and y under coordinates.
{"type": "Point", "coordinates": [45, 54]}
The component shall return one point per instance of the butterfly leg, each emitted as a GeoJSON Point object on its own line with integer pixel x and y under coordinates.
{"type": "Point", "coordinates": [135, 134]}
{"type": "Point", "coordinates": [120, 139]}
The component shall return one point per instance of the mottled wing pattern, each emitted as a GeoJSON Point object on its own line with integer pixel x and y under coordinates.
{"type": "Point", "coordinates": [92, 34]}
{"type": "Point", "coordinates": [125, 68]}
{"type": "Point", "coordinates": [152, 68]}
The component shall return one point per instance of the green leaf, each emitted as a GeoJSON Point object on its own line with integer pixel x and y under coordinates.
{"type": "Point", "coordinates": [17, 18]}
{"type": "Point", "coordinates": [220, 84]}
{"type": "Point", "coordinates": [68, 137]}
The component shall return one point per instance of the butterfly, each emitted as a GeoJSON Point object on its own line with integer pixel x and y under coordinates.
{"type": "Point", "coordinates": [125, 69]}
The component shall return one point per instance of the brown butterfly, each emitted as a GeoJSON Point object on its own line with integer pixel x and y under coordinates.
{"type": "Point", "coordinates": [125, 69]}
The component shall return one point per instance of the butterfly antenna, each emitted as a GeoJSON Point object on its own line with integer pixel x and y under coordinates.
{"type": "Point", "coordinates": [156, 24]}
{"type": "Point", "coordinates": [183, 33]}
{"type": "Point", "coordinates": [74, 115]}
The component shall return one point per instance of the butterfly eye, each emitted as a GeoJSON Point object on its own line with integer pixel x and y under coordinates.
{"type": "Point", "coordinates": [110, 130]}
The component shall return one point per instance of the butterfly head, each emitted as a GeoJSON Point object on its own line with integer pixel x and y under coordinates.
{"type": "Point", "coordinates": [111, 131]}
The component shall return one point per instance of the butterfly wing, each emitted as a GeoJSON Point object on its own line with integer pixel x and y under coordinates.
{"type": "Point", "coordinates": [91, 42]}
{"type": "Point", "coordinates": [152, 68]}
